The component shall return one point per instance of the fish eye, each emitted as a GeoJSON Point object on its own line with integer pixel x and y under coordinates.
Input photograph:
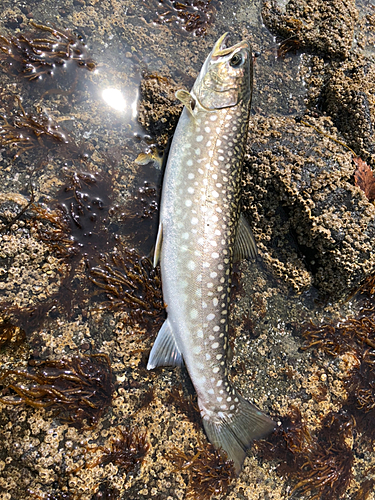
{"type": "Point", "coordinates": [237, 60]}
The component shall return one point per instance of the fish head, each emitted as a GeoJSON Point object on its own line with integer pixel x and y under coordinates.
{"type": "Point", "coordinates": [226, 77]}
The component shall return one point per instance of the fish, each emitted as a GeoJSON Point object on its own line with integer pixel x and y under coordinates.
{"type": "Point", "coordinates": [201, 233]}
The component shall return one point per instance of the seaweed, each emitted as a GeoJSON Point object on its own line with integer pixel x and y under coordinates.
{"type": "Point", "coordinates": [291, 44]}
{"type": "Point", "coordinates": [357, 336]}
{"type": "Point", "coordinates": [327, 470]}
{"type": "Point", "coordinates": [10, 334]}
{"type": "Point", "coordinates": [127, 451]}
{"type": "Point", "coordinates": [38, 54]}
{"type": "Point", "coordinates": [131, 284]}
{"type": "Point", "coordinates": [25, 131]}
{"type": "Point", "coordinates": [191, 16]}
{"type": "Point", "coordinates": [209, 471]}
{"type": "Point", "coordinates": [79, 389]}
{"type": "Point", "coordinates": [185, 404]}
{"type": "Point", "coordinates": [320, 465]}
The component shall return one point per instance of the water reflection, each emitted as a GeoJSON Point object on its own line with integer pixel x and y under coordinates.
{"type": "Point", "coordinates": [114, 99]}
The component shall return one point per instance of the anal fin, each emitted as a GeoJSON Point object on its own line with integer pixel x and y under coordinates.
{"type": "Point", "coordinates": [164, 352]}
{"type": "Point", "coordinates": [245, 246]}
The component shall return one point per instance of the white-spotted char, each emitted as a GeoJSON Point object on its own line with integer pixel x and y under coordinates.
{"type": "Point", "coordinates": [201, 233]}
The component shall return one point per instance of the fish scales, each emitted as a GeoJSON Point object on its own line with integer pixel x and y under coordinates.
{"type": "Point", "coordinates": [200, 225]}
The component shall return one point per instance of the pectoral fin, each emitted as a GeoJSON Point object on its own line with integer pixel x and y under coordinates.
{"type": "Point", "coordinates": [159, 240]}
{"type": "Point", "coordinates": [152, 157]}
{"type": "Point", "coordinates": [245, 246]}
{"type": "Point", "coordinates": [187, 100]}
{"type": "Point", "coordinates": [164, 351]}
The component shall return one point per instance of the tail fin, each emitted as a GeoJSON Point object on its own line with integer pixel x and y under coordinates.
{"type": "Point", "coordinates": [234, 431]}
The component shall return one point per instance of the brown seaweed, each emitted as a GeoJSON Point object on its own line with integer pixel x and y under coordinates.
{"type": "Point", "coordinates": [127, 451]}
{"type": "Point", "coordinates": [25, 131]}
{"type": "Point", "coordinates": [10, 334]}
{"type": "Point", "coordinates": [39, 53]}
{"type": "Point", "coordinates": [80, 389]}
{"type": "Point", "coordinates": [320, 465]}
{"type": "Point", "coordinates": [209, 471]}
{"type": "Point", "coordinates": [131, 284]}
{"type": "Point", "coordinates": [191, 16]}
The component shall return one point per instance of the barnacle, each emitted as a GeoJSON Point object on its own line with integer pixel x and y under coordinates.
{"type": "Point", "coordinates": [131, 284]}
{"type": "Point", "coordinates": [10, 334]}
{"type": "Point", "coordinates": [39, 53]}
{"type": "Point", "coordinates": [193, 16]}
{"type": "Point", "coordinates": [209, 470]}
{"type": "Point", "coordinates": [26, 131]}
{"type": "Point", "coordinates": [79, 388]}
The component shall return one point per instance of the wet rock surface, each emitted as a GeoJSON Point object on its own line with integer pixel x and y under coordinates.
{"type": "Point", "coordinates": [85, 289]}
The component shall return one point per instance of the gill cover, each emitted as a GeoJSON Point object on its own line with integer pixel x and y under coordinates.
{"type": "Point", "coordinates": [226, 76]}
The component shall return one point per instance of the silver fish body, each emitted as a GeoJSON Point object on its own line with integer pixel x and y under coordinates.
{"type": "Point", "coordinates": [201, 232]}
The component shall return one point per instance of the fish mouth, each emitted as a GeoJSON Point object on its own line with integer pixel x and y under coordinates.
{"type": "Point", "coordinates": [221, 46]}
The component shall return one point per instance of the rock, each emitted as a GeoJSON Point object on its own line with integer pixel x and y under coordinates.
{"type": "Point", "coordinates": [312, 225]}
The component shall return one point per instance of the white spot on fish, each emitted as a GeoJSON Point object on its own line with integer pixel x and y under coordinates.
{"type": "Point", "coordinates": [208, 130]}
{"type": "Point", "coordinates": [216, 328]}
{"type": "Point", "coordinates": [194, 220]}
{"type": "Point", "coordinates": [208, 356]}
{"type": "Point", "coordinates": [219, 383]}
{"type": "Point", "coordinates": [215, 194]}
{"type": "Point", "coordinates": [197, 151]}
{"type": "Point", "coordinates": [215, 302]}
{"type": "Point", "coordinates": [197, 349]}
{"type": "Point", "coordinates": [199, 277]}
{"type": "Point", "coordinates": [213, 275]}
{"type": "Point", "coordinates": [189, 163]}
{"type": "Point", "coordinates": [190, 176]}
{"type": "Point", "coordinates": [215, 255]}
{"type": "Point", "coordinates": [191, 265]}
{"type": "Point", "coordinates": [191, 190]}
{"type": "Point", "coordinates": [193, 314]}
{"type": "Point", "coordinates": [215, 345]}
{"type": "Point", "coordinates": [188, 203]}
{"type": "Point", "coordinates": [199, 138]}
{"type": "Point", "coordinates": [215, 369]}
{"type": "Point", "coordinates": [211, 391]}
{"type": "Point", "coordinates": [213, 118]}
{"type": "Point", "coordinates": [200, 334]}
{"type": "Point", "coordinates": [219, 399]}
{"type": "Point", "coordinates": [210, 317]}
{"type": "Point", "coordinates": [218, 142]}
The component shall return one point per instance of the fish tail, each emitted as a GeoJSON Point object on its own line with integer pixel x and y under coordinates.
{"type": "Point", "coordinates": [234, 431]}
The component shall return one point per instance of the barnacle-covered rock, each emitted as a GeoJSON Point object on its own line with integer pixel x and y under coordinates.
{"type": "Point", "coordinates": [307, 215]}
{"type": "Point", "coordinates": [325, 27]}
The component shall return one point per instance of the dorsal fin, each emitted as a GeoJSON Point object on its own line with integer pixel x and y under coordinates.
{"type": "Point", "coordinates": [245, 246]}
